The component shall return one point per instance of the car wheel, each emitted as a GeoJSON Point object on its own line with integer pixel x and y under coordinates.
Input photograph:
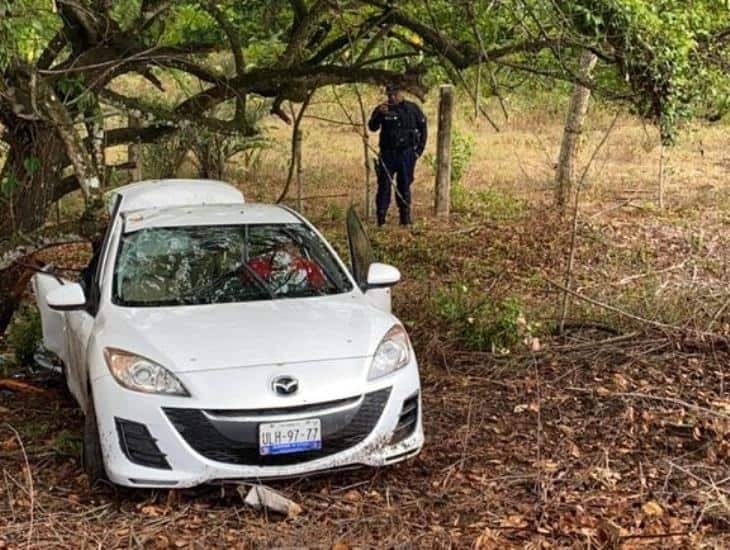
{"type": "Point", "coordinates": [92, 459]}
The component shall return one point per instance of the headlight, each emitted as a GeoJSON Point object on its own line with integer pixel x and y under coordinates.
{"type": "Point", "coordinates": [393, 353]}
{"type": "Point", "coordinates": [140, 374]}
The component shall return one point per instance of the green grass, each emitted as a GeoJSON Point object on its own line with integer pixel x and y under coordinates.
{"type": "Point", "coordinates": [68, 443]}
{"type": "Point", "coordinates": [479, 321]}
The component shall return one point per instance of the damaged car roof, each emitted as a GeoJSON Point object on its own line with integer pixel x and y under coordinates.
{"type": "Point", "coordinates": [200, 215]}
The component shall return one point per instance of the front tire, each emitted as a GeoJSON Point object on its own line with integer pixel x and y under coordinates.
{"type": "Point", "coordinates": [92, 458]}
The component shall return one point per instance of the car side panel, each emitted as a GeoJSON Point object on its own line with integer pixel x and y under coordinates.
{"type": "Point", "coordinates": [80, 326]}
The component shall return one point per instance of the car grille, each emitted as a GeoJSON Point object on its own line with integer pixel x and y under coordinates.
{"type": "Point", "coordinates": [407, 421]}
{"type": "Point", "coordinates": [236, 442]}
{"type": "Point", "coordinates": [314, 408]}
{"type": "Point", "coordinates": [139, 446]}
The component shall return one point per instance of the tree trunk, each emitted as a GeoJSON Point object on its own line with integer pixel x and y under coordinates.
{"type": "Point", "coordinates": [571, 135]}
{"type": "Point", "coordinates": [33, 170]}
{"type": "Point", "coordinates": [443, 151]}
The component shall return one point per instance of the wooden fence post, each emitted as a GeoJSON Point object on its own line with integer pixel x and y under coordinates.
{"type": "Point", "coordinates": [298, 166]}
{"type": "Point", "coordinates": [134, 150]}
{"type": "Point", "coordinates": [443, 151]}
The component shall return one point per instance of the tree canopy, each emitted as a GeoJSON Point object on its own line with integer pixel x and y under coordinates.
{"type": "Point", "coordinates": [61, 60]}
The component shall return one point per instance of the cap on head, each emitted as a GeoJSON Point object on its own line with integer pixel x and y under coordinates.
{"type": "Point", "coordinates": [392, 88]}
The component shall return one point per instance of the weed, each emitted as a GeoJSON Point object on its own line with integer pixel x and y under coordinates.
{"type": "Point", "coordinates": [34, 430]}
{"type": "Point", "coordinates": [333, 212]}
{"type": "Point", "coordinates": [462, 149]}
{"type": "Point", "coordinates": [24, 334]}
{"type": "Point", "coordinates": [490, 202]}
{"type": "Point", "coordinates": [67, 443]}
{"type": "Point", "coordinates": [480, 323]}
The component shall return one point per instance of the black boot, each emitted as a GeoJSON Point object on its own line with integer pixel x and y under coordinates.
{"type": "Point", "coordinates": [405, 216]}
{"type": "Point", "coordinates": [381, 218]}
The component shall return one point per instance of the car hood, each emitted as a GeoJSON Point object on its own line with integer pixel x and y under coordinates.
{"type": "Point", "coordinates": [195, 338]}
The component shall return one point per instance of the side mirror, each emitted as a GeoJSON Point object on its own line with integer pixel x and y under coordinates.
{"type": "Point", "coordinates": [382, 276]}
{"type": "Point", "coordinates": [66, 297]}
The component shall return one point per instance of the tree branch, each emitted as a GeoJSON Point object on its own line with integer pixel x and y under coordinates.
{"type": "Point", "coordinates": [302, 30]}
{"type": "Point", "coordinates": [237, 50]}
{"type": "Point", "coordinates": [290, 82]}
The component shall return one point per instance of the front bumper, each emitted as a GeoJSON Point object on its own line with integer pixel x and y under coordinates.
{"type": "Point", "coordinates": [200, 441]}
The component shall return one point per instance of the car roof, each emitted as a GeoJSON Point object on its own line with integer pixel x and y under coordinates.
{"type": "Point", "coordinates": [218, 214]}
{"type": "Point", "coordinates": [174, 192]}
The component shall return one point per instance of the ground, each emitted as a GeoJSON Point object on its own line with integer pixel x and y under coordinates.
{"type": "Point", "coordinates": [616, 433]}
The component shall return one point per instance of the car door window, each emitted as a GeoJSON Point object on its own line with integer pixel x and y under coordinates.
{"type": "Point", "coordinates": [361, 251]}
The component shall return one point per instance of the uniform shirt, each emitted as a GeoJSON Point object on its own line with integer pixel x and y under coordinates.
{"type": "Point", "coordinates": [400, 118]}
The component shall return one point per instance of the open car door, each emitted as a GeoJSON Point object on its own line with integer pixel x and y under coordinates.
{"type": "Point", "coordinates": [53, 322]}
{"type": "Point", "coordinates": [361, 257]}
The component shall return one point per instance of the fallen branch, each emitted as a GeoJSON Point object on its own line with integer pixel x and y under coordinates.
{"type": "Point", "coordinates": [20, 386]}
{"type": "Point", "coordinates": [717, 338]}
{"type": "Point", "coordinates": [711, 484]}
{"type": "Point", "coordinates": [630, 278]}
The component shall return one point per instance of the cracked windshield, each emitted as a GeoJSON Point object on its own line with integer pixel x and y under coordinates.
{"type": "Point", "coordinates": [219, 264]}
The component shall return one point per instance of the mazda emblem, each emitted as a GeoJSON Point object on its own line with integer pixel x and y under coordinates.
{"type": "Point", "coordinates": [285, 385]}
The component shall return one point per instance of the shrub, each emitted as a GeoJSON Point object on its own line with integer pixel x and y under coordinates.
{"type": "Point", "coordinates": [480, 323]}
{"type": "Point", "coordinates": [24, 334]}
{"type": "Point", "coordinates": [462, 149]}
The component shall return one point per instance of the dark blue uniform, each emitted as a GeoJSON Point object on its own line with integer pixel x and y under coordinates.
{"type": "Point", "coordinates": [403, 135]}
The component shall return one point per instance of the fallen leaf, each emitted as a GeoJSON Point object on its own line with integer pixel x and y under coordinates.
{"type": "Point", "coordinates": [151, 510]}
{"type": "Point", "coordinates": [574, 450]}
{"type": "Point", "coordinates": [652, 508]}
{"type": "Point", "coordinates": [352, 496]}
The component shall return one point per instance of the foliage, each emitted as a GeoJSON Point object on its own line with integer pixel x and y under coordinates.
{"type": "Point", "coordinates": [479, 322]}
{"type": "Point", "coordinates": [24, 334]}
{"type": "Point", "coordinates": [671, 53]}
{"type": "Point", "coordinates": [489, 202]}
{"type": "Point", "coordinates": [462, 149]}
{"type": "Point", "coordinates": [211, 65]}
{"type": "Point", "coordinates": [25, 27]}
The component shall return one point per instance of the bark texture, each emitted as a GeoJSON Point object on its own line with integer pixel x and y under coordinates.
{"type": "Point", "coordinates": [565, 172]}
{"type": "Point", "coordinates": [35, 156]}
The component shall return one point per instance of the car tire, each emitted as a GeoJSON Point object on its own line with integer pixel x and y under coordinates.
{"type": "Point", "coordinates": [92, 458]}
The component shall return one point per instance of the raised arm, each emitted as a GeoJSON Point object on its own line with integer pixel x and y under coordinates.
{"type": "Point", "coordinates": [376, 119]}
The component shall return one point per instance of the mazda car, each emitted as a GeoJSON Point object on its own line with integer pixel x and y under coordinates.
{"type": "Point", "coordinates": [213, 339]}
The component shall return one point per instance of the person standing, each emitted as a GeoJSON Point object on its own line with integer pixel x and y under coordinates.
{"type": "Point", "coordinates": [403, 134]}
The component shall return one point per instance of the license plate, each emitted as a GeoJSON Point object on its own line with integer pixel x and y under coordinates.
{"type": "Point", "coordinates": [295, 436]}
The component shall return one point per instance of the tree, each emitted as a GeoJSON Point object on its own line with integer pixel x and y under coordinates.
{"type": "Point", "coordinates": [61, 62]}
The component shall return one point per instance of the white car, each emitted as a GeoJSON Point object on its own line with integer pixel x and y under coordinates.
{"type": "Point", "coordinates": [213, 339]}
